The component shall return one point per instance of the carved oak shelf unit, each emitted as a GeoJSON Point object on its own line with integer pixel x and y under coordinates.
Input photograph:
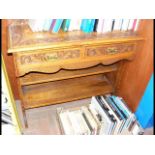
{"type": "Point", "coordinates": [56, 68]}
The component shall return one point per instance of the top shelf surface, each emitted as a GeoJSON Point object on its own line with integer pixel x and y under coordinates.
{"type": "Point", "coordinates": [21, 38]}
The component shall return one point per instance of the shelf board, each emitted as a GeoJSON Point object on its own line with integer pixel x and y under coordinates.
{"type": "Point", "coordinates": [21, 38]}
{"type": "Point", "coordinates": [65, 90]}
{"type": "Point", "coordinates": [34, 78]}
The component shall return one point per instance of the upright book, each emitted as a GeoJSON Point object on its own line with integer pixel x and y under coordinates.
{"type": "Point", "coordinates": [57, 25]}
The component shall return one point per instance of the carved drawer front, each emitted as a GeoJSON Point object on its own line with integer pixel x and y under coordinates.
{"type": "Point", "coordinates": [43, 61]}
{"type": "Point", "coordinates": [109, 49]}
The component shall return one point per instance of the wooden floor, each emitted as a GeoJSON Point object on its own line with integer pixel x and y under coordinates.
{"type": "Point", "coordinates": [43, 120]}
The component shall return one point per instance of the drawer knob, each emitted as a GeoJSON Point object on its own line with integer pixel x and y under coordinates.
{"type": "Point", "coordinates": [112, 50]}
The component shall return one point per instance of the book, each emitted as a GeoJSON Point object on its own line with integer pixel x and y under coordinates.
{"type": "Point", "coordinates": [107, 25]}
{"type": "Point", "coordinates": [137, 24]}
{"type": "Point", "coordinates": [107, 120]}
{"type": "Point", "coordinates": [108, 113]}
{"type": "Point", "coordinates": [130, 24]}
{"type": "Point", "coordinates": [100, 26]}
{"type": "Point", "coordinates": [112, 26]}
{"type": "Point", "coordinates": [85, 25]}
{"type": "Point", "coordinates": [117, 25]}
{"type": "Point", "coordinates": [75, 24]}
{"type": "Point", "coordinates": [125, 24]}
{"type": "Point", "coordinates": [92, 25]}
{"type": "Point", "coordinates": [82, 123]}
{"type": "Point", "coordinates": [47, 24]}
{"type": "Point", "coordinates": [74, 123]}
{"type": "Point", "coordinates": [96, 24]}
{"type": "Point", "coordinates": [96, 117]}
{"type": "Point", "coordinates": [66, 123]}
{"type": "Point", "coordinates": [122, 106]}
{"type": "Point", "coordinates": [90, 119]}
{"type": "Point", "coordinates": [52, 24]}
{"type": "Point", "coordinates": [134, 24]}
{"type": "Point", "coordinates": [57, 25]}
{"type": "Point", "coordinates": [113, 112]}
{"type": "Point", "coordinates": [88, 123]}
{"type": "Point", "coordinates": [39, 24]}
{"type": "Point", "coordinates": [119, 112]}
{"type": "Point", "coordinates": [65, 25]}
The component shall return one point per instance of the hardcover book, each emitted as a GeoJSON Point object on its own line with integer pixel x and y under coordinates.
{"type": "Point", "coordinates": [57, 25]}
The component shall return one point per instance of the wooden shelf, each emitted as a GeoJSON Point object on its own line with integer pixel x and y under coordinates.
{"type": "Point", "coordinates": [21, 38]}
{"type": "Point", "coordinates": [34, 78]}
{"type": "Point", "coordinates": [65, 90]}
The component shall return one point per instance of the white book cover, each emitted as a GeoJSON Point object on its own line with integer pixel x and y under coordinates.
{"type": "Point", "coordinates": [119, 122]}
{"type": "Point", "coordinates": [125, 24]}
{"type": "Point", "coordinates": [36, 25]}
{"type": "Point", "coordinates": [105, 118]}
{"type": "Point", "coordinates": [66, 124]}
{"type": "Point", "coordinates": [76, 126]}
{"type": "Point", "coordinates": [75, 24]}
{"type": "Point", "coordinates": [117, 25]}
{"type": "Point", "coordinates": [94, 114]}
{"type": "Point", "coordinates": [104, 124]}
{"type": "Point", "coordinates": [107, 25]}
{"type": "Point", "coordinates": [137, 24]}
{"type": "Point", "coordinates": [31, 23]}
{"type": "Point", "coordinates": [82, 123]}
{"type": "Point", "coordinates": [130, 24]}
{"type": "Point", "coordinates": [100, 25]}
{"type": "Point", "coordinates": [90, 119]}
{"type": "Point", "coordinates": [41, 23]}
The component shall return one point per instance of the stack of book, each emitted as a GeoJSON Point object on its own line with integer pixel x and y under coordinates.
{"type": "Point", "coordinates": [105, 115]}
{"type": "Point", "coordinates": [85, 25]}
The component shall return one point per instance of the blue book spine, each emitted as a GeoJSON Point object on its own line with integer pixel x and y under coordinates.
{"type": "Point", "coordinates": [47, 24]}
{"type": "Point", "coordinates": [119, 105]}
{"type": "Point", "coordinates": [85, 26]}
{"type": "Point", "coordinates": [92, 25]}
{"type": "Point", "coordinates": [57, 25]}
{"type": "Point", "coordinates": [67, 24]}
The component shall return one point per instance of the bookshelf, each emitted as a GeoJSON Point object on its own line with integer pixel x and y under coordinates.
{"type": "Point", "coordinates": [50, 65]}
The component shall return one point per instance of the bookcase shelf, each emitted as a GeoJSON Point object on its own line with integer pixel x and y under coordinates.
{"type": "Point", "coordinates": [65, 90]}
{"type": "Point", "coordinates": [35, 78]}
{"type": "Point", "coordinates": [53, 68]}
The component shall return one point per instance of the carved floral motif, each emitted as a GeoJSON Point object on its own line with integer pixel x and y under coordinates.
{"type": "Point", "coordinates": [96, 51]}
{"type": "Point", "coordinates": [52, 56]}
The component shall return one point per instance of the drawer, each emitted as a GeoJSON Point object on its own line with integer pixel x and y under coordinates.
{"type": "Point", "coordinates": [109, 49]}
{"type": "Point", "coordinates": [45, 61]}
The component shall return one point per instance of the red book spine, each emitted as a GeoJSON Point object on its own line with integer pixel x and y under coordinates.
{"type": "Point", "coordinates": [134, 25]}
{"type": "Point", "coordinates": [53, 23]}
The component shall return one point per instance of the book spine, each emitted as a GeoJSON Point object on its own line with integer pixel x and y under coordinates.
{"type": "Point", "coordinates": [85, 26]}
{"type": "Point", "coordinates": [92, 25]}
{"type": "Point", "coordinates": [125, 24]}
{"type": "Point", "coordinates": [52, 24]}
{"type": "Point", "coordinates": [137, 24]}
{"type": "Point", "coordinates": [100, 25]}
{"type": "Point", "coordinates": [130, 24]}
{"type": "Point", "coordinates": [47, 24]}
{"type": "Point", "coordinates": [113, 23]}
{"type": "Point", "coordinates": [134, 24]}
{"type": "Point", "coordinates": [95, 25]}
{"type": "Point", "coordinates": [67, 24]}
{"type": "Point", "coordinates": [57, 25]}
{"type": "Point", "coordinates": [117, 25]}
{"type": "Point", "coordinates": [107, 25]}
